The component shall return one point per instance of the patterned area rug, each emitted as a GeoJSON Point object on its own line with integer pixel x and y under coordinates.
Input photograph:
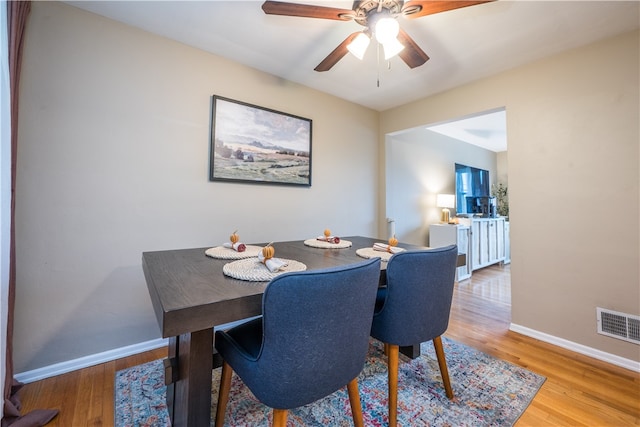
{"type": "Point", "coordinates": [488, 392]}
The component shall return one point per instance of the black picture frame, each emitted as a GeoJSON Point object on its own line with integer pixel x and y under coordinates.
{"type": "Point", "coordinates": [252, 144]}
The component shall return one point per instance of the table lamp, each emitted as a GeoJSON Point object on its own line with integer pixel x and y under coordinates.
{"type": "Point", "coordinates": [446, 202]}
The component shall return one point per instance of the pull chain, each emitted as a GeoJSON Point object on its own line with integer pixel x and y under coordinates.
{"type": "Point", "coordinates": [378, 64]}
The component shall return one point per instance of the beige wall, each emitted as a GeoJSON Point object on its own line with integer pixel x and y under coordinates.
{"type": "Point", "coordinates": [113, 161]}
{"type": "Point", "coordinates": [573, 171]}
{"type": "Point", "coordinates": [502, 168]}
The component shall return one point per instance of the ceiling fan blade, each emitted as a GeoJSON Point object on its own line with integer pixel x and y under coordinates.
{"type": "Point", "coordinates": [412, 55]}
{"type": "Point", "coordinates": [337, 54]}
{"type": "Point", "coordinates": [418, 8]}
{"type": "Point", "coordinates": [306, 11]}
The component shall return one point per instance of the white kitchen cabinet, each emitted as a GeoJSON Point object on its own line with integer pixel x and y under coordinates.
{"type": "Point", "coordinates": [496, 240]}
{"type": "Point", "coordinates": [507, 243]}
{"type": "Point", "coordinates": [487, 242]}
{"type": "Point", "coordinates": [447, 234]}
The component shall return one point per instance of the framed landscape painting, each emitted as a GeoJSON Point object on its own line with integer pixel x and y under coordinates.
{"type": "Point", "coordinates": [253, 144]}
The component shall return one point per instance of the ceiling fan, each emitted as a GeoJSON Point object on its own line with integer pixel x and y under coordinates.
{"type": "Point", "coordinates": [379, 17]}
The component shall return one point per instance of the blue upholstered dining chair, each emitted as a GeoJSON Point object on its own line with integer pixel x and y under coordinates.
{"type": "Point", "coordinates": [414, 308]}
{"type": "Point", "coordinates": [312, 339]}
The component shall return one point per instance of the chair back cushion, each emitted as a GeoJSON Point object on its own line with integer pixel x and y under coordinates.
{"type": "Point", "coordinates": [418, 296]}
{"type": "Point", "coordinates": [315, 333]}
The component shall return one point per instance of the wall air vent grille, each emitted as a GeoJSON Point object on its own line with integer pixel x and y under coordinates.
{"type": "Point", "coordinates": [618, 325]}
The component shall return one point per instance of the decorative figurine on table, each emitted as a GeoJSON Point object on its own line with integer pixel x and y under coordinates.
{"type": "Point", "coordinates": [266, 257]}
{"type": "Point", "coordinates": [235, 243]}
{"type": "Point", "coordinates": [328, 237]}
{"type": "Point", "coordinates": [393, 242]}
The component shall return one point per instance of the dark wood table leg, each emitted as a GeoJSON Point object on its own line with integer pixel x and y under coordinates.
{"type": "Point", "coordinates": [192, 391]}
{"type": "Point", "coordinates": [171, 373]}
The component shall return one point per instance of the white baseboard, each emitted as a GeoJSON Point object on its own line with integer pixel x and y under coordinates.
{"type": "Point", "coordinates": [118, 353]}
{"type": "Point", "coordinates": [107, 356]}
{"type": "Point", "coordinates": [85, 362]}
{"type": "Point", "coordinates": [578, 348]}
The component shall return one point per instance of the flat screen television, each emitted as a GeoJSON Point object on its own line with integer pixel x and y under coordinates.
{"type": "Point", "coordinates": [470, 182]}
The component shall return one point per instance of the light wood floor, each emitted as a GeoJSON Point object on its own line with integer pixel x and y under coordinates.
{"type": "Point", "coordinates": [579, 391]}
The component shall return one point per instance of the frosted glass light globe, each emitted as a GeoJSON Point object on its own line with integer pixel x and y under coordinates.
{"type": "Point", "coordinates": [386, 29]}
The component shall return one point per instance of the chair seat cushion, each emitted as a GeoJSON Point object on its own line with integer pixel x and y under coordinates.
{"type": "Point", "coordinates": [381, 296]}
{"type": "Point", "coordinates": [246, 337]}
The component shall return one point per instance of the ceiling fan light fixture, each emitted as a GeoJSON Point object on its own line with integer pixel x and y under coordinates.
{"type": "Point", "coordinates": [359, 45]}
{"type": "Point", "coordinates": [392, 48]}
{"type": "Point", "coordinates": [386, 29]}
{"type": "Point", "coordinates": [378, 17]}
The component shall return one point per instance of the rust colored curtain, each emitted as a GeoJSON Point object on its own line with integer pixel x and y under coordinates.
{"type": "Point", "coordinates": [17, 13]}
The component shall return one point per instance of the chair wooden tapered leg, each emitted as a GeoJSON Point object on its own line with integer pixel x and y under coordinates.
{"type": "Point", "coordinates": [393, 384]}
{"type": "Point", "coordinates": [354, 400]}
{"type": "Point", "coordinates": [442, 362]}
{"type": "Point", "coordinates": [279, 417]}
{"type": "Point", "coordinates": [223, 393]}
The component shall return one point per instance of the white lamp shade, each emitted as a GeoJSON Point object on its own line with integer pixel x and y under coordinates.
{"type": "Point", "coordinates": [386, 29]}
{"type": "Point", "coordinates": [446, 201]}
{"type": "Point", "coordinates": [392, 48]}
{"type": "Point", "coordinates": [359, 45]}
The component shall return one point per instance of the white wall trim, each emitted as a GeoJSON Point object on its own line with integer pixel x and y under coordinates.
{"type": "Point", "coordinates": [84, 362]}
{"type": "Point", "coordinates": [118, 353]}
{"type": "Point", "coordinates": [106, 356]}
{"type": "Point", "coordinates": [578, 348]}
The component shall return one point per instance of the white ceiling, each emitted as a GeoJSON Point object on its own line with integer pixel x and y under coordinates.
{"type": "Point", "coordinates": [463, 45]}
{"type": "Point", "coordinates": [484, 130]}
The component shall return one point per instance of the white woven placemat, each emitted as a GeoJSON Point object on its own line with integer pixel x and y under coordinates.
{"type": "Point", "coordinates": [221, 252]}
{"type": "Point", "coordinates": [372, 253]}
{"type": "Point", "coordinates": [252, 270]}
{"type": "Point", "coordinates": [315, 243]}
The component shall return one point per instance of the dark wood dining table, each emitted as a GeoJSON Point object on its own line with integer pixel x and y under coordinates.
{"type": "Point", "coordinates": [191, 296]}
